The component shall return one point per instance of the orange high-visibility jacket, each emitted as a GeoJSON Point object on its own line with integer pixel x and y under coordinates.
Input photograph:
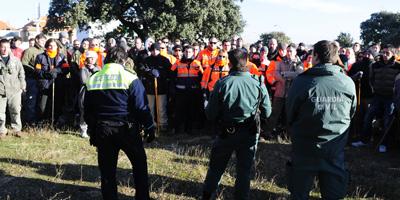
{"type": "Point", "coordinates": [307, 65]}
{"type": "Point", "coordinates": [100, 56]}
{"type": "Point", "coordinates": [253, 68]}
{"type": "Point", "coordinates": [212, 74]}
{"type": "Point", "coordinates": [270, 73]}
{"type": "Point", "coordinates": [207, 57]}
{"type": "Point", "coordinates": [187, 74]}
{"type": "Point", "coordinates": [171, 58]}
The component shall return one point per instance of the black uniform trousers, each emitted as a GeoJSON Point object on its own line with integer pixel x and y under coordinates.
{"type": "Point", "coordinates": [110, 140]}
{"type": "Point", "coordinates": [188, 108]}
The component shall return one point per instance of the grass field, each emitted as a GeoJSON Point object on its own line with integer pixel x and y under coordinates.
{"type": "Point", "coordinates": [49, 165]}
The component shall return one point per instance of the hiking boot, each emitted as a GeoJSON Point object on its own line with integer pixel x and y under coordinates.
{"type": "Point", "coordinates": [382, 149]}
{"type": "Point", "coordinates": [358, 144]}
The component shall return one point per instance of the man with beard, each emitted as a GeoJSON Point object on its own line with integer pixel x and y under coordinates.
{"type": "Point", "coordinates": [272, 49]}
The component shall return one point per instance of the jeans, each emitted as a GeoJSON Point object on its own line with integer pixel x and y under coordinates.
{"type": "Point", "coordinates": [29, 109]}
{"type": "Point", "coordinates": [162, 108]}
{"type": "Point", "coordinates": [379, 104]}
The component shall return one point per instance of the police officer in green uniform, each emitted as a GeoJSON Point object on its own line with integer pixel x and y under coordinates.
{"type": "Point", "coordinates": [116, 108]}
{"type": "Point", "coordinates": [237, 103]}
{"type": "Point", "coordinates": [319, 108]}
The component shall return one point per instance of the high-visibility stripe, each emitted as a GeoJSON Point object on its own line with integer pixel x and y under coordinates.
{"type": "Point", "coordinates": [112, 76]}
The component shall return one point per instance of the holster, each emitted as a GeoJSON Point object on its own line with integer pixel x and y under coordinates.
{"type": "Point", "coordinates": [252, 124]}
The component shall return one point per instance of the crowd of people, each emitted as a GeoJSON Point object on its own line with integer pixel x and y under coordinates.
{"type": "Point", "coordinates": [47, 80]}
{"type": "Point", "coordinates": [111, 90]}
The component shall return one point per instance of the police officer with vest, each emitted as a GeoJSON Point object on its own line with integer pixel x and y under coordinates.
{"type": "Point", "coordinates": [116, 109]}
{"type": "Point", "coordinates": [237, 103]}
{"type": "Point", "coordinates": [319, 108]}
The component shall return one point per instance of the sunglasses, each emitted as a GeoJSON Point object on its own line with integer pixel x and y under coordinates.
{"type": "Point", "coordinates": [213, 42]}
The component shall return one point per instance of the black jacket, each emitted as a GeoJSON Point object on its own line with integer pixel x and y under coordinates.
{"type": "Point", "coordinates": [362, 66]}
{"type": "Point", "coordinates": [152, 66]}
{"type": "Point", "coordinates": [46, 76]}
{"type": "Point", "coordinates": [382, 77]}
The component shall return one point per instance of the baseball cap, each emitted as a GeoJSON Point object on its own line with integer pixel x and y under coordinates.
{"type": "Point", "coordinates": [91, 54]}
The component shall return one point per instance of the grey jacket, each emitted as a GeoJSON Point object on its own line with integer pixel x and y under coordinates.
{"type": "Point", "coordinates": [285, 72]}
{"type": "Point", "coordinates": [85, 73]}
{"type": "Point", "coordinates": [12, 76]}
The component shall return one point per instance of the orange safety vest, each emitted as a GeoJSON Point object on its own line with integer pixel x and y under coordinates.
{"type": "Point", "coordinates": [307, 65]}
{"type": "Point", "coordinates": [212, 74]}
{"type": "Point", "coordinates": [207, 57]}
{"type": "Point", "coordinates": [171, 58]}
{"type": "Point", "coordinates": [253, 68]}
{"type": "Point", "coordinates": [82, 60]}
{"type": "Point", "coordinates": [270, 73]}
{"type": "Point", "coordinates": [100, 57]}
{"type": "Point", "coordinates": [186, 72]}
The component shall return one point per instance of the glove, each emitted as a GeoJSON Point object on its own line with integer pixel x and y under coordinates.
{"type": "Point", "coordinates": [149, 134]}
{"type": "Point", "coordinates": [155, 73]}
{"type": "Point", "coordinates": [357, 76]}
{"type": "Point", "coordinates": [53, 74]}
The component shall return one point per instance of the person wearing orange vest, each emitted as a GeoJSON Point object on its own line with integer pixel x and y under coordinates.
{"type": "Point", "coordinates": [177, 52]}
{"type": "Point", "coordinates": [253, 69]}
{"type": "Point", "coordinates": [164, 52]}
{"type": "Point", "coordinates": [208, 56]}
{"type": "Point", "coordinates": [188, 98]}
{"type": "Point", "coordinates": [285, 72]}
{"type": "Point", "coordinates": [270, 73]}
{"type": "Point", "coordinates": [308, 62]}
{"type": "Point", "coordinates": [94, 45]}
{"type": "Point", "coordinates": [196, 49]}
{"type": "Point", "coordinates": [212, 74]}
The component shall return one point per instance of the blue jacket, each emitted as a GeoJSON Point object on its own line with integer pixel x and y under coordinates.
{"type": "Point", "coordinates": [115, 94]}
{"type": "Point", "coordinates": [47, 76]}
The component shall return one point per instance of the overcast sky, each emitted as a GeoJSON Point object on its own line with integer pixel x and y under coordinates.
{"type": "Point", "coordinates": [302, 20]}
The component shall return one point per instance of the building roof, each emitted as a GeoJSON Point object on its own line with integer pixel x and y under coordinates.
{"type": "Point", "coordinates": [31, 26]}
{"type": "Point", "coordinates": [6, 26]}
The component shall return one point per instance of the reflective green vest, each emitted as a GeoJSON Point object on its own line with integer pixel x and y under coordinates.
{"type": "Point", "coordinates": [112, 76]}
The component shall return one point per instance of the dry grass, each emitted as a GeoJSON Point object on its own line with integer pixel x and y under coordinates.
{"type": "Point", "coordinates": [48, 165]}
